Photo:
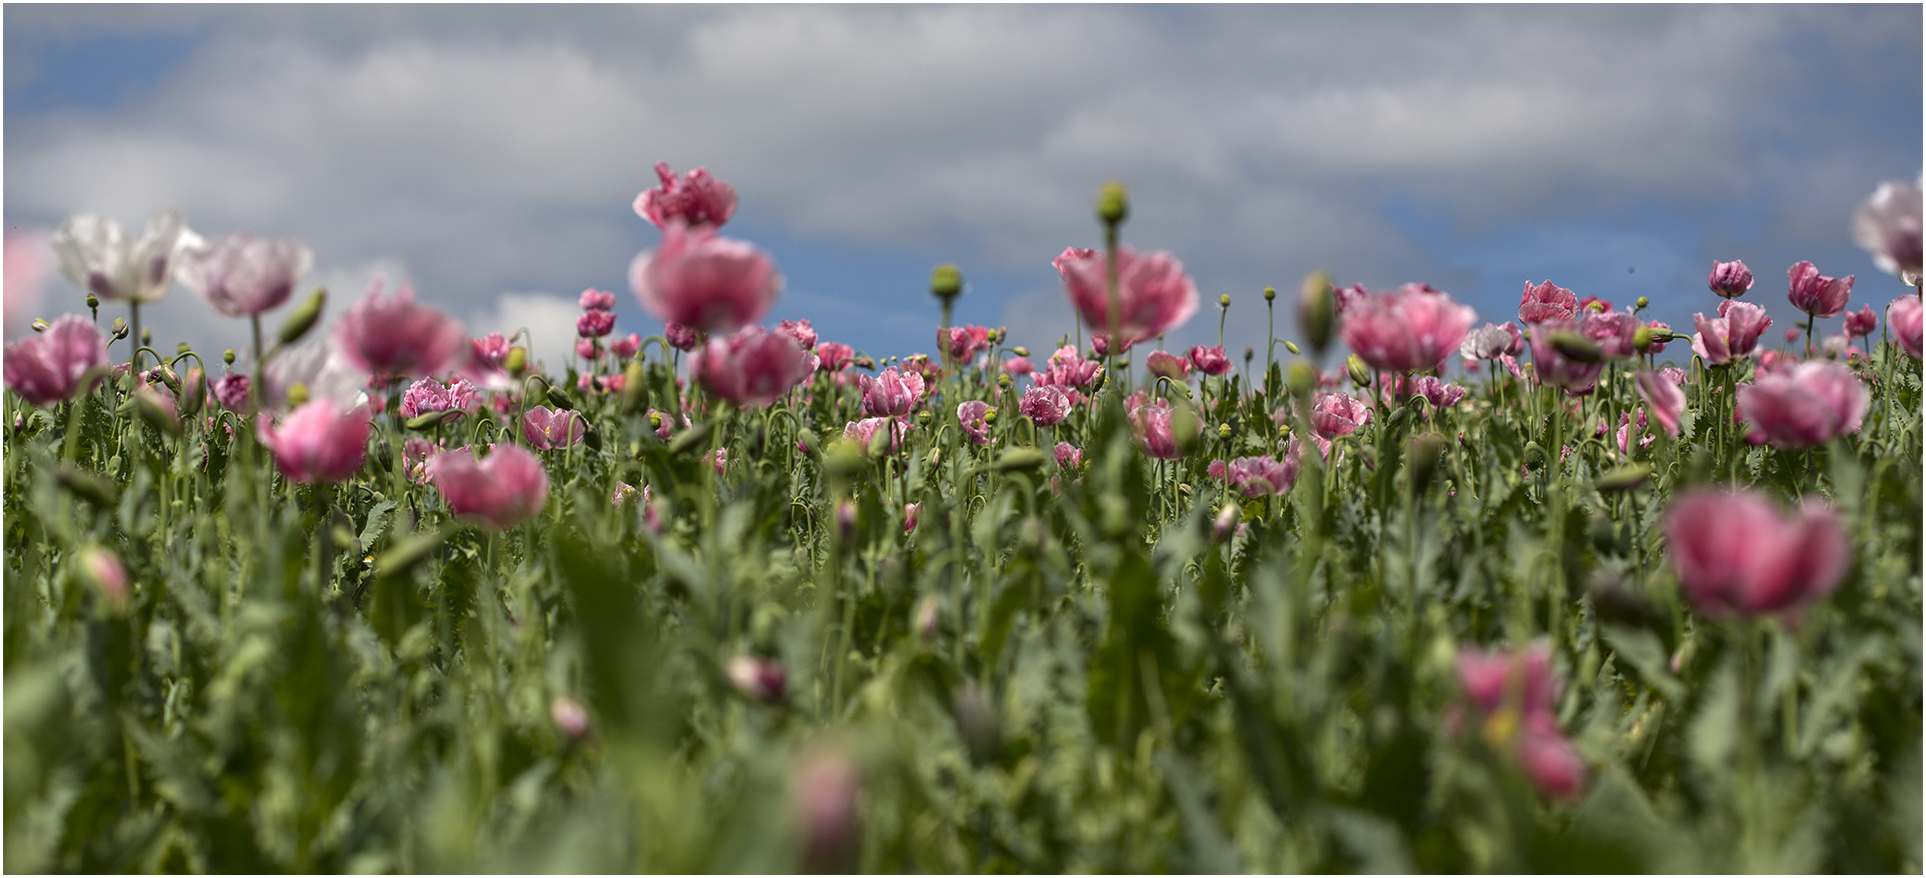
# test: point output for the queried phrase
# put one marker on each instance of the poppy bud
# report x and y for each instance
(1113, 203)
(1317, 310)
(303, 317)
(946, 282)
(1360, 373)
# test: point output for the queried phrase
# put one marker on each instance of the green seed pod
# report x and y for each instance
(1317, 310)
(1113, 203)
(1577, 347)
(923, 418)
(1223, 301)
(1024, 459)
(1642, 339)
(517, 361)
(303, 317)
(946, 282)
(93, 301)
(1005, 382)
(1300, 378)
(1223, 431)
(429, 420)
(227, 356)
(635, 388)
(558, 398)
(1623, 478)
(1270, 294)
(1360, 373)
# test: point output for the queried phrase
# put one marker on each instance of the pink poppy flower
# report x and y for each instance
(1345, 297)
(1437, 392)
(1545, 302)
(240, 275)
(1069, 370)
(1256, 476)
(864, 432)
(695, 199)
(1808, 405)
(626, 347)
(1409, 329)
(1888, 226)
(1552, 763)
(319, 442)
(502, 490)
(910, 511)
(1211, 361)
(1068, 456)
(553, 429)
(1046, 404)
(964, 341)
(588, 349)
(48, 368)
(1150, 424)
(1662, 393)
(1730, 336)
(595, 324)
(1153, 293)
(1017, 367)
(1554, 367)
(682, 338)
(1729, 279)
(751, 368)
(597, 300)
(972, 415)
(1735, 554)
(1903, 318)
(705, 281)
(230, 391)
(1862, 322)
(758, 679)
(1815, 293)
(891, 394)
(1167, 365)
(391, 336)
(834, 356)
(1488, 342)
(428, 395)
(801, 331)
(485, 365)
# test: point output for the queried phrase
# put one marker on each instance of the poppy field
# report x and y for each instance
(1414, 590)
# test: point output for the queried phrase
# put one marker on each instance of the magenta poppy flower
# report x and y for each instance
(964, 341)
(1068, 456)
(910, 515)
(1808, 405)
(1150, 424)
(485, 365)
(391, 336)
(1046, 404)
(1888, 226)
(1552, 763)
(1489, 342)
(502, 490)
(1211, 361)
(751, 368)
(758, 679)
(704, 281)
(1410, 329)
(973, 416)
(1068, 370)
(1903, 318)
(1167, 365)
(801, 331)
(597, 300)
(682, 338)
(1729, 279)
(891, 394)
(1337, 414)
(553, 429)
(1545, 302)
(1815, 293)
(1521, 680)
(318, 443)
(1735, 554)
(1862, 322)
(595, 324)
(1554, 368)
(240, 275)
(626, 347)
(1256, 476)
(230, 391)
(1153, 293)
(1730, 336)
(1663, 394)
(694, 199)
(1439, 393)
(834, 356)
(48, 368)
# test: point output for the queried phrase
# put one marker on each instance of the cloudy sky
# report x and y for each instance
(489, 154)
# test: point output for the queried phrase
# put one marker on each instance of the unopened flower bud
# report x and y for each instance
(516, 361)
(1005, 382)
(146, 336)
(1642, 339)
(1576, 346)
(1300, 378)
(1225, 523)
(102, 571)
(227, 356)
(1223, 301)
(1292, 347)
(1360, 373)
(303, 317)
(1113, 203)
(120, 328)
(946, 282)
(758, 679)
(157, 411)
(635, 388)
(846, 519)
(1317, 310)
(570, 718)
(93, 301)
(1270, 294)
(1642, 303)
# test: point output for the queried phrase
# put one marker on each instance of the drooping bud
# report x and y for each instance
(1317, 310)
(946, 282)
(157, 412)
(1577, 347)
(1113, 203)
(193, 394)
(1642, 339)
(1623, 478)
(303, 317)
(120, 328)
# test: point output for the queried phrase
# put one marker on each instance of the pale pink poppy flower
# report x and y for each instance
(719, 459)
(1808, 405)
(1628, 427)
(972, 415)
(682, 338)
(758, 679)
(1017, 367)
(705, 281)
(597, 300)
(230, 391)
(863, 433)
(1150, 424)
(415, 454)
(104, 571)
(27, 260)
(1069, 370)
(910, 511)
(1410, 329)
(1662, 393)
(502, 490)
(1489, 341)
(1211, 361)
(588, 349)
(1729, 279)
(1100, 345)
(1167, 365)
(392, 336)
(1903, 318)
(240, 275)
(95, 254)
(626, 347)
(1545, 302)
(891, 394)
(1344, 297)
(1046, 404)
(694, 199)
(318, 442)
(1337, 414)
(1521, 680)
(1614, 331)
(1256, 476)
(1068, 456)
(1862, 322)
(751, 368)
(48, 368)
(834, 356)
(1153, 293)
(1735, 553)
(1888, 226)
(595, 324)
(1730, 336)
(964, 341)
(1815, 293)
(801, 331)
(553, 429)
(623, 494)
(428, 395)
(485, 364)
